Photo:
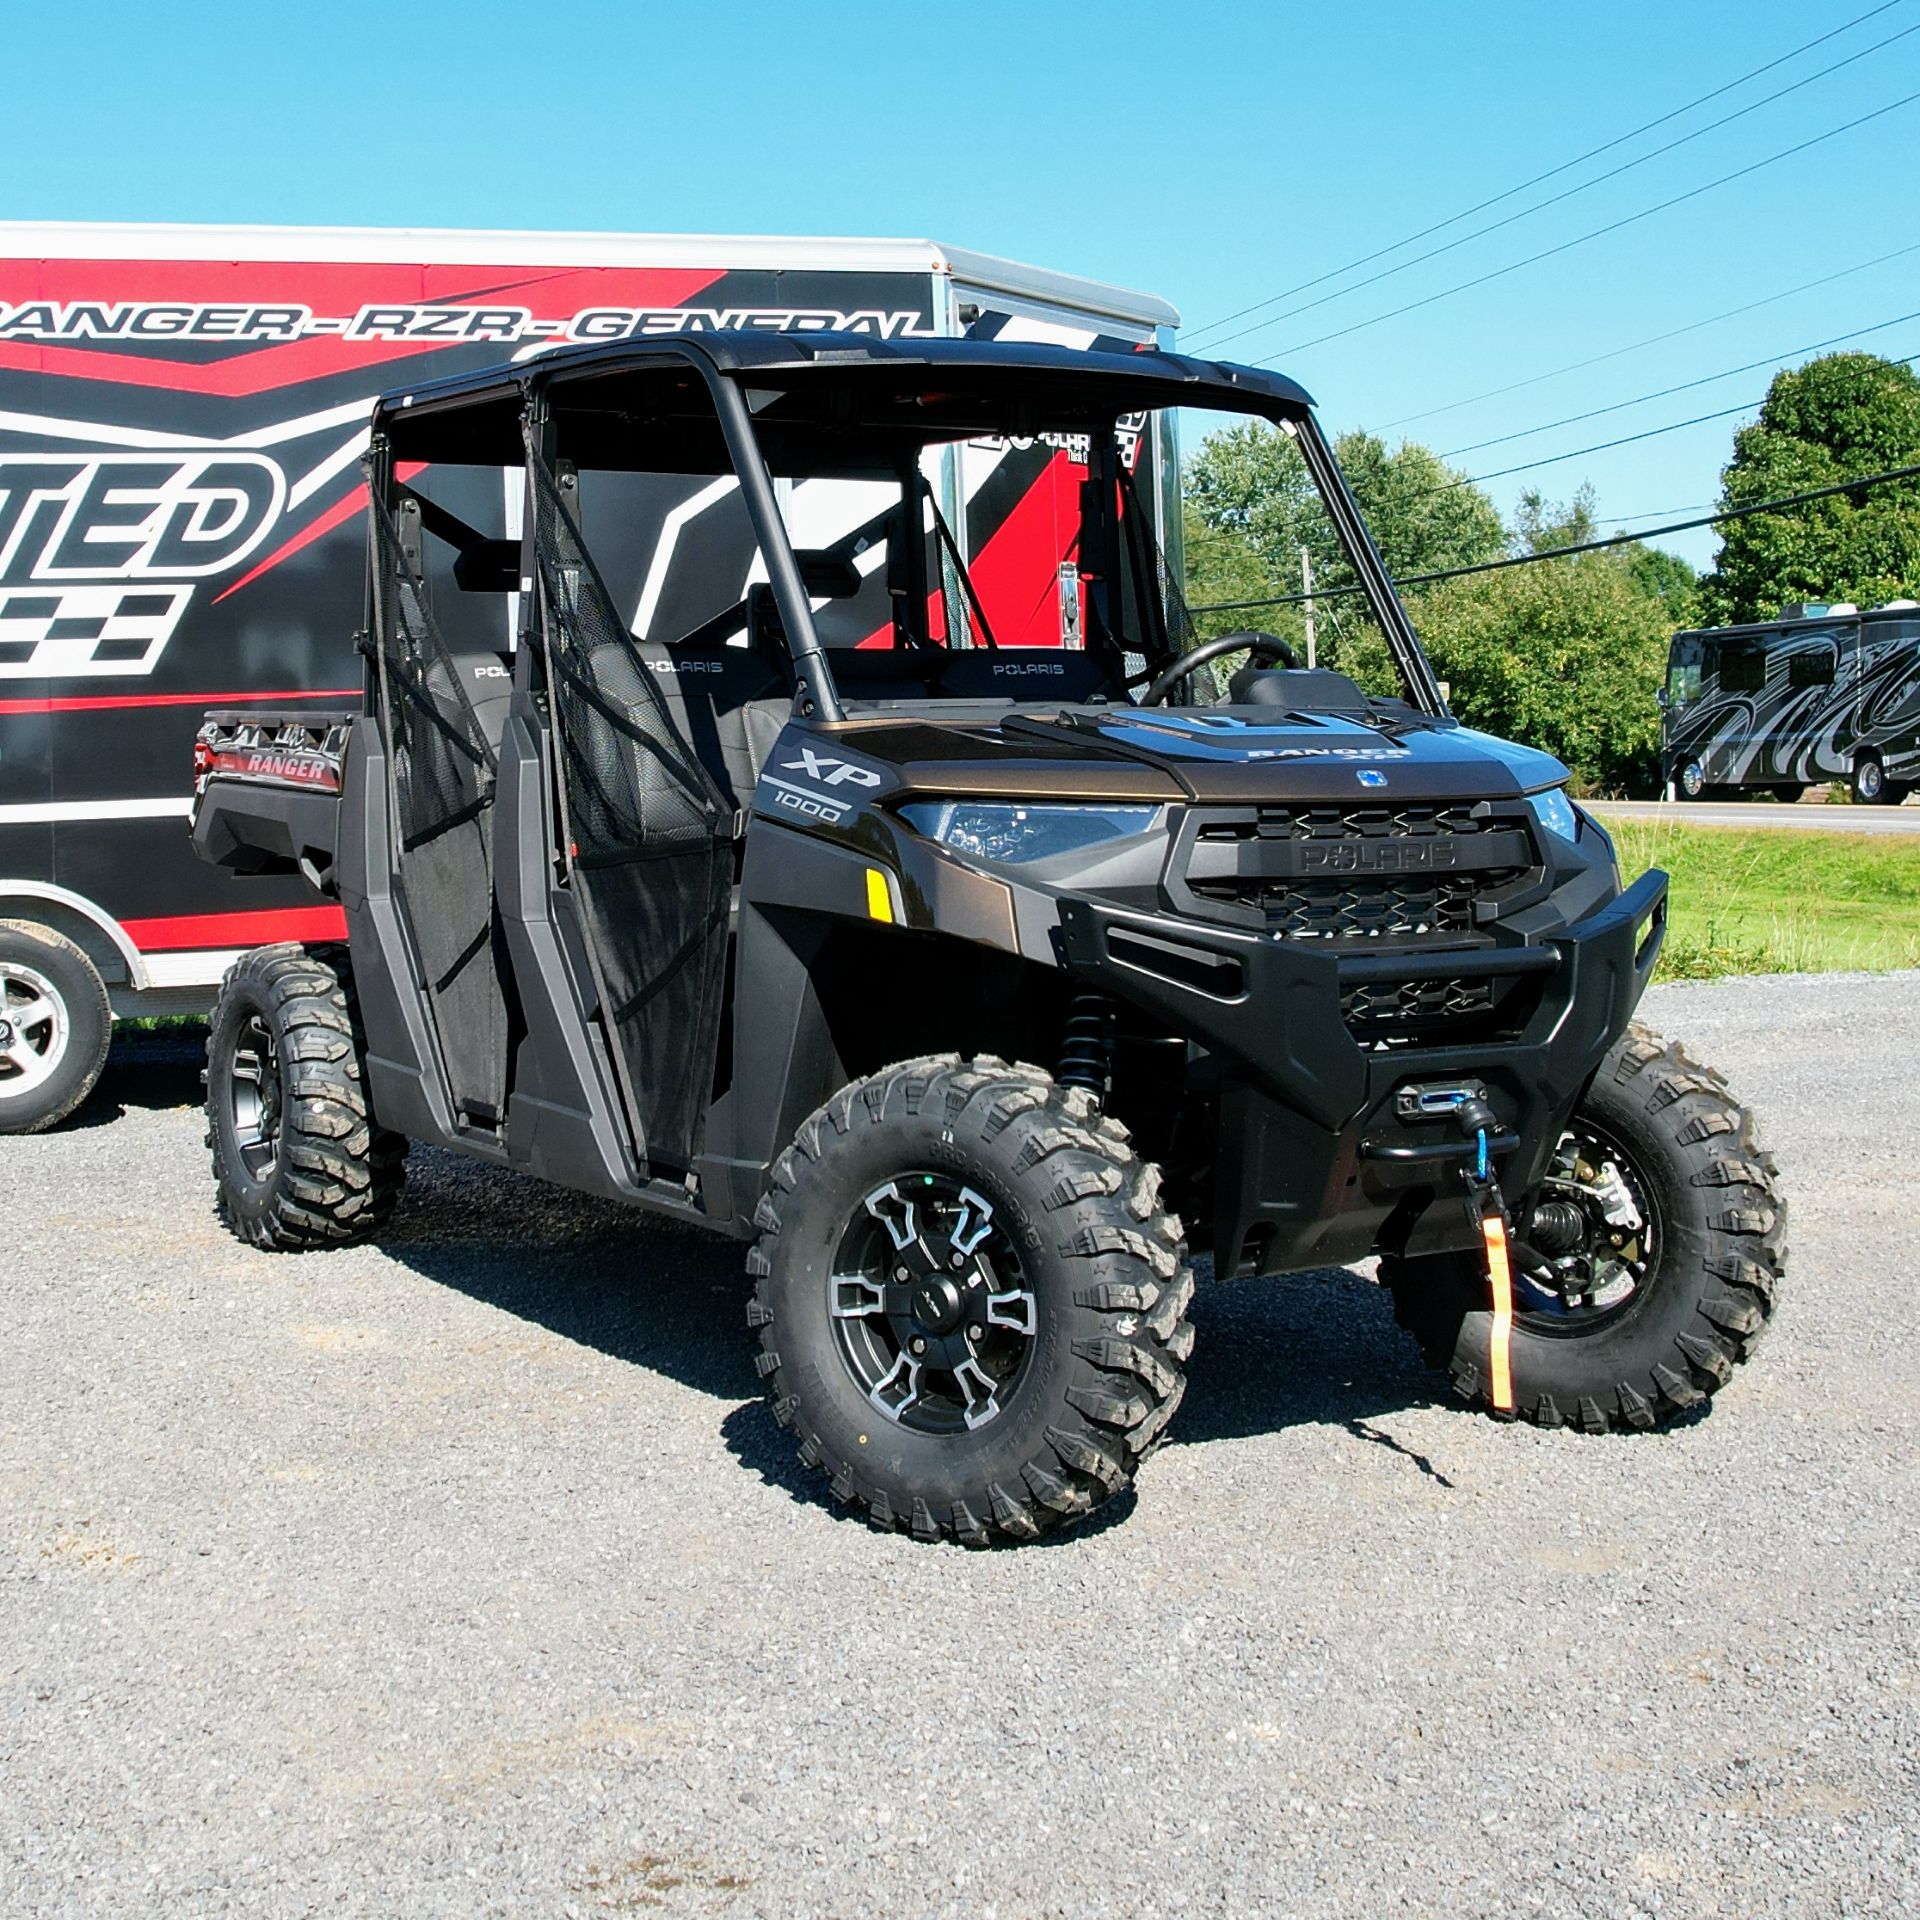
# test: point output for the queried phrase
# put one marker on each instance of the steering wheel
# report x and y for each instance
(1265, 649)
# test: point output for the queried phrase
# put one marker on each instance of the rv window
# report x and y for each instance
(1683, 683)
(1742, 670)
(1811, 667)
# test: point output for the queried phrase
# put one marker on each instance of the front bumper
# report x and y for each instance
(1315, 1165)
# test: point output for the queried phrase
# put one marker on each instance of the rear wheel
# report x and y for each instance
(1871, 787)
(297, 1158)
(55, 1027)
(1660, 1233)
(971, 1305)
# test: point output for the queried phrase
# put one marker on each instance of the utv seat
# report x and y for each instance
(486, 678)
(727, 704)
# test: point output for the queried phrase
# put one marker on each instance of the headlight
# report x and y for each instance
(988, 830)
(1556, 813)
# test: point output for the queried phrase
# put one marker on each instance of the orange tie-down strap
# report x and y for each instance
(1500, 1361)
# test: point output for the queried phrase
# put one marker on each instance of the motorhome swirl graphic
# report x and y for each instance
(1823, 693)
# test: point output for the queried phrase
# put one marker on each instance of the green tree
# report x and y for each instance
(1564, 655)
(1835, 418)
(1222, 564)
(1248, 491)
(1669, 579)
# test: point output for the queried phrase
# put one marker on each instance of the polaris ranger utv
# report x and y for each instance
(755, 911)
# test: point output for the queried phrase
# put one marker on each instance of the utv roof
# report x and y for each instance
(1149, 378)
(835, 398)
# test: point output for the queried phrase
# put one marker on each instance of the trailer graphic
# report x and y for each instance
(1823, 693)
(183, 418)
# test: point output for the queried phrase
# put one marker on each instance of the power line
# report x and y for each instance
(1540, 206)
(1654, 340)
(1599, 446)
(1583, 546)
(1539, 179)
(1612, 226)
(1662, 393)
(1621, 519)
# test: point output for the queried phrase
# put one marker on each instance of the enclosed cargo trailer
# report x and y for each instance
(183, 416)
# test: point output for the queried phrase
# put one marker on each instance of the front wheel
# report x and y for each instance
(1653, 1256)
(971, 1305)
(1690, 783)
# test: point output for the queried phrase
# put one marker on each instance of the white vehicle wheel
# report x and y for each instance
(54, 1026)
(34, 1029)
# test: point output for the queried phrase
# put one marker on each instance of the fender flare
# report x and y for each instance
(11, 890)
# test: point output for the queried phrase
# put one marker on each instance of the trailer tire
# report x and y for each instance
(1718, 1256)
(1057, 1259)
(298, 1160)
(55, 1027)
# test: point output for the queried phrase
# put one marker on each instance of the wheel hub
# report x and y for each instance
(34, 1029)
(938, 1304)
(1597, 1225)
(930, 1308)
(253, 1094)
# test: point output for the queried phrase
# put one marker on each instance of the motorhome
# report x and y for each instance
(1824, 693)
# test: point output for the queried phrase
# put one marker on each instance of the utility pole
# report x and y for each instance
(1306, 587)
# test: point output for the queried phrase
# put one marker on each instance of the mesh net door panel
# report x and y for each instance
(443, 784)
(652, 842)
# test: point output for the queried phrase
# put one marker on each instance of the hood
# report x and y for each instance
(1235, 755)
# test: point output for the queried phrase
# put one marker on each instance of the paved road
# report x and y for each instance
(1811, 817)
(468, 1576)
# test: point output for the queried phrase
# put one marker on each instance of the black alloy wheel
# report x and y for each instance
(971, 1305)
(298, 1159)
(253, 1097)
(931, 1310)
(1597, 1230)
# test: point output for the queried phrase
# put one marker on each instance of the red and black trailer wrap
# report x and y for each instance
(183, 417)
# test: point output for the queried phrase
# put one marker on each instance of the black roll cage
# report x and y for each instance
(478, 417)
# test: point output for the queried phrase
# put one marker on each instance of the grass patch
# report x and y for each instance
(1779, 901)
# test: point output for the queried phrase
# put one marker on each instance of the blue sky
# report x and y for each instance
(1215, 154)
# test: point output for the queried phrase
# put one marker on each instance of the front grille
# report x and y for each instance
(1356, 874)
(1400, 908)
(1372, 879)
(1399, 1004)
(1335, 822)
(1384, 1014)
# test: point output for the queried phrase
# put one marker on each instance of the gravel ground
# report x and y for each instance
(467, 1575)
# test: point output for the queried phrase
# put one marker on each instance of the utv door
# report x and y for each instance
(441, 775)
(646, 840)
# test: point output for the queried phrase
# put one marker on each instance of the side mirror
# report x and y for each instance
(1662, 699)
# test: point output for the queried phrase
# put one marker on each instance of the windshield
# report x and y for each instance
(1057, 546)
(981, 523)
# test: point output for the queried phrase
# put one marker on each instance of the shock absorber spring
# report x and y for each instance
(1086, 1046)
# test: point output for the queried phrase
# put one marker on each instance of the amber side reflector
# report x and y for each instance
(879, 897)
